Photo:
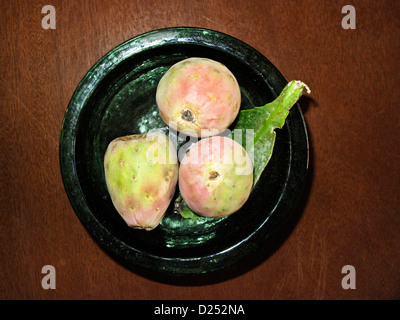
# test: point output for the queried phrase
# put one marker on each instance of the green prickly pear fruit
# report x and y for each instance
(141, 173)
(216, 177)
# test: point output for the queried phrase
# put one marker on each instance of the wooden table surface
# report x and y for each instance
(348, 213)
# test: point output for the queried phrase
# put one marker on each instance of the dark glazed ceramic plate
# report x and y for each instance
(117, 98)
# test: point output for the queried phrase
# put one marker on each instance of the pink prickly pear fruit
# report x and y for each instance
(141, 173)
(216, 177)
(198, 96)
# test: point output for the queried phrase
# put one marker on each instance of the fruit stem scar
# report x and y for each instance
(187, 115)
(213, 175)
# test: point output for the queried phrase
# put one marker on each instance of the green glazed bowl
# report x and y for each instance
(117, 98)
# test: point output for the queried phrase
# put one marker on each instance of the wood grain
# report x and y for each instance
(349, 214)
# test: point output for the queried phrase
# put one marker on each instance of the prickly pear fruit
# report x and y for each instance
(141, 173)
(198, 96)
(216, 177)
